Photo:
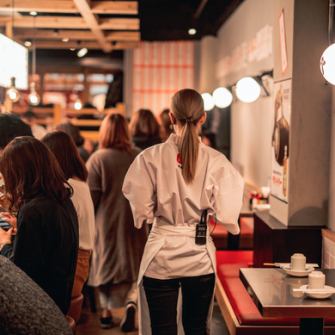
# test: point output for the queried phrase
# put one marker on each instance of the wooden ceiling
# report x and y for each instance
(65, 24)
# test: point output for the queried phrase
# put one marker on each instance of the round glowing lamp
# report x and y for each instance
(222, 97)
(248, 90)
(208, 101)
(327, 64)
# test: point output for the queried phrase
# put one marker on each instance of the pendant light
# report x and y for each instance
(12, 93)
(78, 105)
(34, 98)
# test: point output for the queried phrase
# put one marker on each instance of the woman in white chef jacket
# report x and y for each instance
(169, 185)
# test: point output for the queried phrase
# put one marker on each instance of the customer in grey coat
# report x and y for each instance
(24, 307)
(118, 246)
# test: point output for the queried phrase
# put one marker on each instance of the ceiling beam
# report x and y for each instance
(47, 34)
(115, 7)
(92, 22)
(68, 45)
(83, 35)
(133, 36)
(86, 44)
(120, 24)
(66, 6)
(48, 22)
(66, 22)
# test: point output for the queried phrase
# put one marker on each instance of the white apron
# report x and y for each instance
(159, 233)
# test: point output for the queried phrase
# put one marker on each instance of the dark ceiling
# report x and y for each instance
(163, 20)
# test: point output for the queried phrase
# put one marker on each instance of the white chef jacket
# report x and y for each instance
(158, 194)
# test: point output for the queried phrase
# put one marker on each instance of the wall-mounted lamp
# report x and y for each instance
(248, 90)
(208, 101)
(327, 60)
(222, 97)
(327, 64)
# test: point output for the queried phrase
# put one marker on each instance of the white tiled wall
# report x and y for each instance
(328, 253)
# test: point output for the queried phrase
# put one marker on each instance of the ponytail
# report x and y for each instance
(189, 148)
(188, 107)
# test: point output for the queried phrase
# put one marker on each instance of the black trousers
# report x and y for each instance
(162, 297)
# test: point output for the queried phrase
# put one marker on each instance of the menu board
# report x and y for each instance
(13, 63)
(281, 140)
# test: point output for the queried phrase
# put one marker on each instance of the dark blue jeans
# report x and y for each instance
(162, 297)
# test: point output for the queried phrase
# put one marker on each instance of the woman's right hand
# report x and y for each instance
(11, 219)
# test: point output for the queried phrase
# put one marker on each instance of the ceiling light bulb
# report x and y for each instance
(65, 39)
(192, 31)
(248, 90)
(12, 93)
(27, 44)
(33, 97)
(208, 101)
(82, 52)
(327, 64)
(33, 13)
(222, 97)
(78, 104)
(72, 49)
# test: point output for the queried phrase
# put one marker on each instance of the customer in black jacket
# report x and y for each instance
(46, 242)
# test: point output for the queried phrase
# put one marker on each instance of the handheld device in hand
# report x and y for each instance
(201, 229)
(4, 224)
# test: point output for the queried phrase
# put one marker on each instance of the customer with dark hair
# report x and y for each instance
(24, 307)
(166, 128)
(10, 127)
(74, 169)
(144, 129)
(118, 246)
(46, 242)
(172, 186)
(74, 132)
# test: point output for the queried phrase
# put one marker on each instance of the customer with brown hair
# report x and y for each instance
(144, 129)
(75, 172)
(118, 245)
(46, 242)
(166, 128)
(172, 186)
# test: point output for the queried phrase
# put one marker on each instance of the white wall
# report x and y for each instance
(251, 123)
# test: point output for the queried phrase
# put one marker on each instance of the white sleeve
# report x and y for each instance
(138, 188)
(228, 195)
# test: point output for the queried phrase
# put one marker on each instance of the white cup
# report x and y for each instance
(316, 280)
(298, 262)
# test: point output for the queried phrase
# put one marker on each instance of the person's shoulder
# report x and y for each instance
(153, 152)
(78, 186)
